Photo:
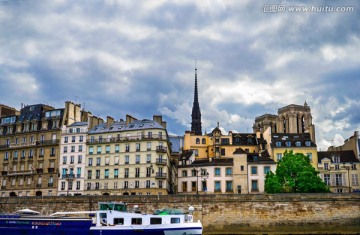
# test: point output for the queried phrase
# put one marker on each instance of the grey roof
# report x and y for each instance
(121, 126)
(78, 124)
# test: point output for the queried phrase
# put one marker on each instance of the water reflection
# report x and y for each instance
(330, 229)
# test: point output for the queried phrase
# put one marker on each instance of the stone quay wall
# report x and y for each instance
(221, 214)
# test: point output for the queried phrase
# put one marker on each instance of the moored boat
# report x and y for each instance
(112, 218)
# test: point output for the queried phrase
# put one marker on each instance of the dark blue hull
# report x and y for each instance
(23, 226)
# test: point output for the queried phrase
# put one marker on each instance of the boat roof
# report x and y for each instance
(28, 212)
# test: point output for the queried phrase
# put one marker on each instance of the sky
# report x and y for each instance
(138, 58)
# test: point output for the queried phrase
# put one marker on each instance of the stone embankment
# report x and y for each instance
(226, 214)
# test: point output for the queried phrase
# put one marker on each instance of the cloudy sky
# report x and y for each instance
(137, 57)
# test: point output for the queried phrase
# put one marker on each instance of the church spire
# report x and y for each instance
(196, 114)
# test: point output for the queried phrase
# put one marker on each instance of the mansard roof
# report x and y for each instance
(260, 159)
(244, 139)
(122, 126)
(213, 162)
(345, 156)
(185, 155)
(291, 138)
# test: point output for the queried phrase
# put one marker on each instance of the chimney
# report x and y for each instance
(129, 119)
(109, 121)
(158, 119)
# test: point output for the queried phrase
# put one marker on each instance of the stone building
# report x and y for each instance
(130, 157)
(30, 147)
(352, 143)
(340, 170)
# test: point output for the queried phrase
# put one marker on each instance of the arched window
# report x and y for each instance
(203, 141)
(197, 141)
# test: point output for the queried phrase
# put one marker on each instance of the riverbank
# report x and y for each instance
(227, 214)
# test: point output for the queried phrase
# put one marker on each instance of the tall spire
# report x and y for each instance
(196, 114)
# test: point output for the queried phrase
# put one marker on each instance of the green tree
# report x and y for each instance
(294, 174)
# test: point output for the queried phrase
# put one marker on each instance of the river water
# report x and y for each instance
(331, 229)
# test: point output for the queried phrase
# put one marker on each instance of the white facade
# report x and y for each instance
(72, 159)
(256, 176)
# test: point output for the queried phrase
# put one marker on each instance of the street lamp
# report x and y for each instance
(348, 170)
(204, 177)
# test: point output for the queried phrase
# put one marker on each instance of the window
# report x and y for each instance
(65, 149)
(229, 186)
(137, 147)
(222, 151)
(98, 149)
(91, 150)
(266, 170)
(254, 170)
(217, 186)
(90, 162)
(148, 146)
(309, 156)
(119, 221)
(279, 156)
(72, 159)
(148, 158)
(81, 138)
(354, 180)
(326, 166)
(308, 143)
(126, 159)
(107, 149)
(278, 144)
(193, 186)
(338, 179)
(77, 185)
(64, 159)
(137, 159)
(327, 179)
(89, 174)
(117, 148)
(184, 173)
(97, 174)
(137, 184)
(217, 172)
(184, 186)
(72, 149)
(127, 148)
(116, 173)
(175, 220)
(197, 141)
(155, 221)
(147, 185)
(242, 168)
(98, 161)
(80, 148)
(298, 143)
(228, 171)
(137, 172)
(288, 143)
(337, 167)
(116, 160)
(136, 221)
(106, 173)
(254, 186)
(66, 139)
(126, 173)
(73, 138)
(203, 141)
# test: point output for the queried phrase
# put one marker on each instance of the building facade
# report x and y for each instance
(129, 157)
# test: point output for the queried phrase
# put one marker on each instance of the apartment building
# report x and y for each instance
(130, 157)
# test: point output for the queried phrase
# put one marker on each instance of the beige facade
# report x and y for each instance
(129, 157)
(340, 170)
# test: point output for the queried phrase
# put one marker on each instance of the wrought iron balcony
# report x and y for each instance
(161, 161)
(161, 149)
(160, 175)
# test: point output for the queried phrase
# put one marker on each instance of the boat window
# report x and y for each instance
(136, 221)
(175, 220)
(119, 221)
(103, 218)
(155, 220)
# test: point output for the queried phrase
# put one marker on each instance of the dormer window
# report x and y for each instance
(308, 143)
(278, 144)
(288, 143)
(298, 143)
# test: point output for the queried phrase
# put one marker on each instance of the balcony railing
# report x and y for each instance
(39, 170)
(126, 138)
(160, 175)
(50, 184)
(51, 170)
(161, 161)
(68, 176)
(254, 189)
(4, 172)
(27, 172)
(38, 185)
(3, 187)
(161, 149)
(21, 145)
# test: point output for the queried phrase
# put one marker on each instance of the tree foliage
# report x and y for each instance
(294, 174)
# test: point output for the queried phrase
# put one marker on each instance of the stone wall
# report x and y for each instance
(223, 213)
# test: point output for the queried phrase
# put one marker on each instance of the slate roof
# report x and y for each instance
(213, 162)
(292, 137)
(256, 159)
(345, 156)
(78, 124)
(185, 155)
(240, 151)
(244, 139)
(121, 126)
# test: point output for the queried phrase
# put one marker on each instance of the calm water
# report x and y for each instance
(287, 230)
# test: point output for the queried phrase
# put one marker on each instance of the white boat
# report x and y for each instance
(113, 218)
